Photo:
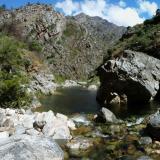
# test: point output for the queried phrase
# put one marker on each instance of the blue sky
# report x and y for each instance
(120, 12)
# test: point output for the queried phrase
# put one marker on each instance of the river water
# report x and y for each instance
(74, 100)
(70, 101)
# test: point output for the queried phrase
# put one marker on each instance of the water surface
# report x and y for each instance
(81, 100)
(70, 101)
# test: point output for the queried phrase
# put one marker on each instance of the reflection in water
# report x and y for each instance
(135, 109)
(81, 100)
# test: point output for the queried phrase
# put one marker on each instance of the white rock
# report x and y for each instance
(19, 130)
(42, 118)
(70, 83)
(48, 129)
(10, 112)
(4, 135)
(71, 124)
(109, 116)
(62, 117)
(32, 132)
(28, 121)
(81, 119)
(58, 129)
(49, 116)
(92, 87)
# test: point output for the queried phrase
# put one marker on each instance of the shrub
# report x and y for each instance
(35, 46)
(13, 91)
(13, 81)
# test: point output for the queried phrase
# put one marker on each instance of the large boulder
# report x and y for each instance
(133, 74)
(24, 147)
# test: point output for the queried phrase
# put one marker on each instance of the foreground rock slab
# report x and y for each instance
(25, 147)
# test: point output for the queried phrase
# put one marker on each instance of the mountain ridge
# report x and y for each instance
(67, 45)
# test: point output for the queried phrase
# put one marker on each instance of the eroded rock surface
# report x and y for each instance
(133, 74)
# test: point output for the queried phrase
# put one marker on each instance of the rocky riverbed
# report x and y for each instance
(78, 136)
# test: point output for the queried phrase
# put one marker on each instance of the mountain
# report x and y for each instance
(71, 47)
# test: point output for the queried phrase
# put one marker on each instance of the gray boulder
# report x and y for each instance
(153, 127)
(109, 116)
(133, 74)
(25, 147)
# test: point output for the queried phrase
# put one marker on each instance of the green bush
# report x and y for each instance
(35, 46)
(13, 91)
(10, 54)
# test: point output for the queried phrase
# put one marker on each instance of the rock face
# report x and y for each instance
(43, 82)
(133, 74)
(24, 147)
(72, 47)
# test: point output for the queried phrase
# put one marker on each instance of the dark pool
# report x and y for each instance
(70, 100)
(81, 100)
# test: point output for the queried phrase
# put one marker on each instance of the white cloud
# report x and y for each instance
(93, 7)
(123, 16)
(120, 13)
(122, 3)
(147, 7)
(68, 6)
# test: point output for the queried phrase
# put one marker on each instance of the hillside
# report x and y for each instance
(143, 38)
(71, 46)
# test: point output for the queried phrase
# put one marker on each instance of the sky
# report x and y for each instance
(120, 12)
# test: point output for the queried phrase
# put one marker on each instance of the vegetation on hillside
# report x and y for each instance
(13, 78)
(143, 37)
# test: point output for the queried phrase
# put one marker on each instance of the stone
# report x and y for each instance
(62, 117)
(28, 121)
(79, 145)
(80, 119)
(133, 74)
(4, 135)
(92, 87)
(58, 129)
(25, 147)
(19, 129)
(109, 116)
(71, 124)
(10, 112)
(145, 140)
(42, 118)
(116, 100)
(2, 118)
(70, 83)
(153, 126)
(8, 123)
(144, 158)
(32, 132)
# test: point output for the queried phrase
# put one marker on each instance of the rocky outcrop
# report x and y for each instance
(24, 147)
(42, 82)
(72, 47)
(17, 122)
(133, 74)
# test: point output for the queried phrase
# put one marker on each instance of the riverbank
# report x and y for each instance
(81, 135)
